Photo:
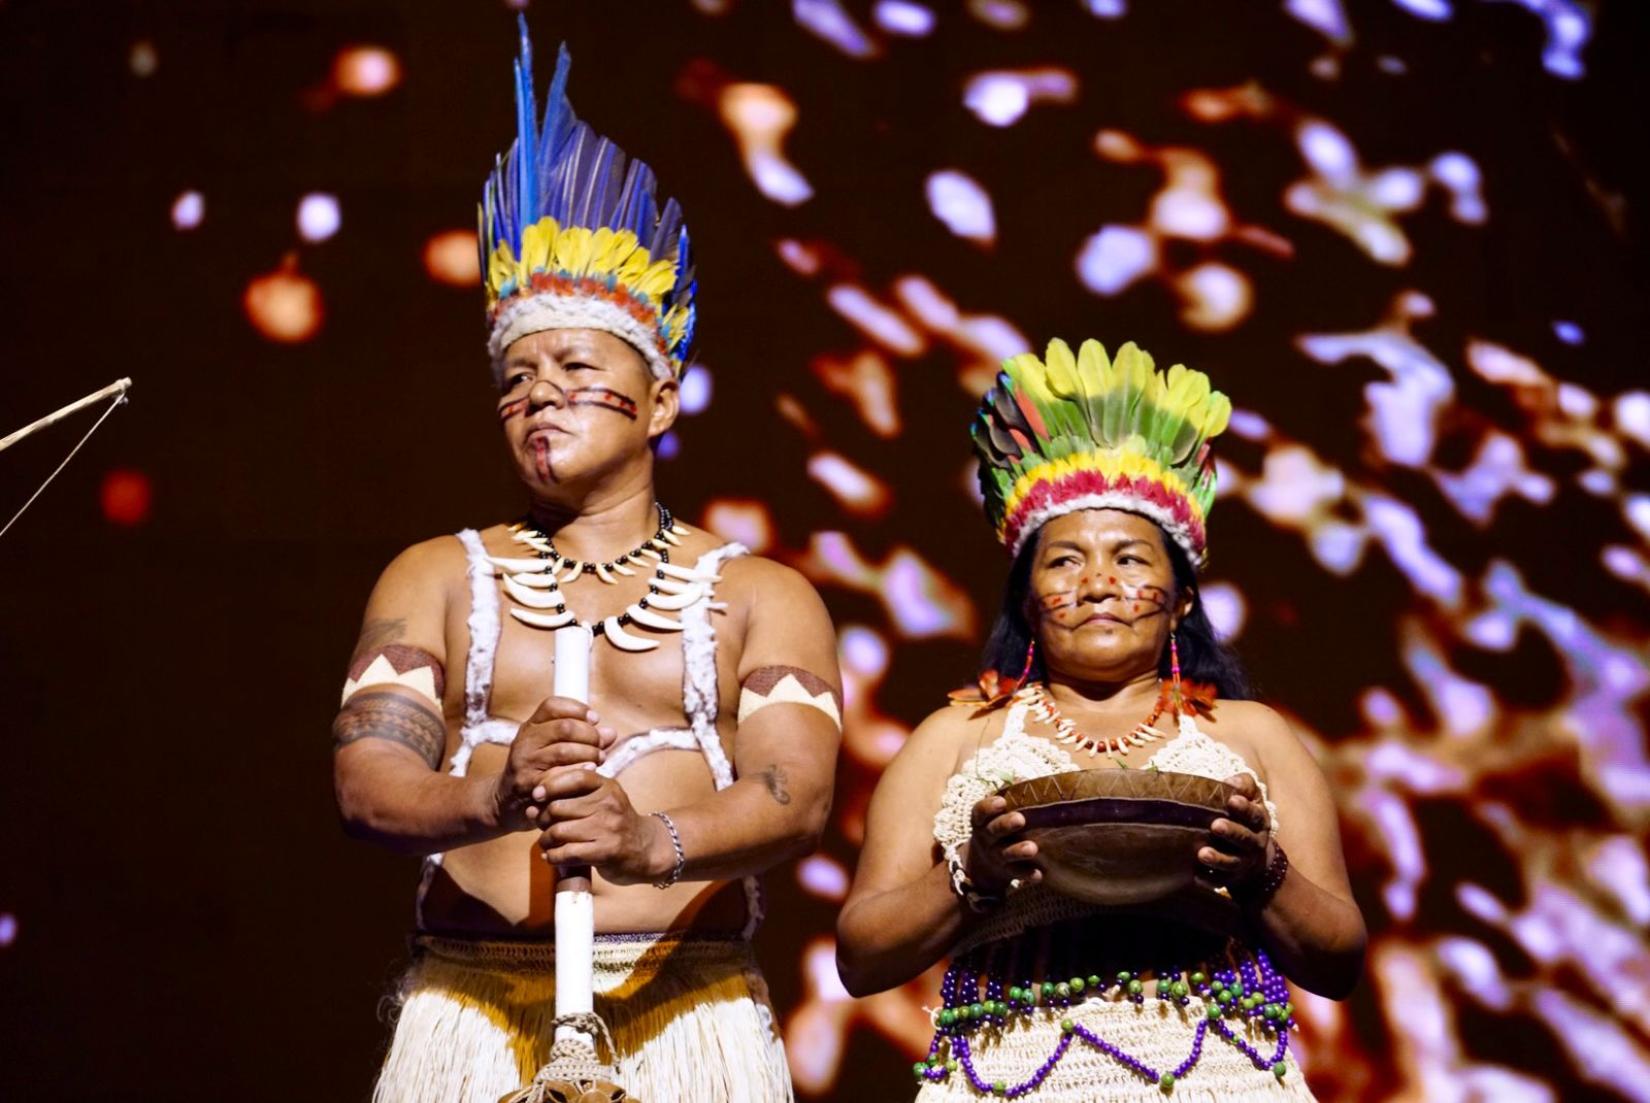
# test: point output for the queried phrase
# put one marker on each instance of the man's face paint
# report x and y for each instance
(511, 409)
(1143, 600)
(605, 397)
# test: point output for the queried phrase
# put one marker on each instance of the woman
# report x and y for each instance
(1097, 477)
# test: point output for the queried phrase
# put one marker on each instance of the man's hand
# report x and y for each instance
(588, 820)
(562, 732)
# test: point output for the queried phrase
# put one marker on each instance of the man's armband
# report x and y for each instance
(397, 664)
(788, 685)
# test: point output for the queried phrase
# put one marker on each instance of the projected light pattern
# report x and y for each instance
(1433, 535)
(1454, 442)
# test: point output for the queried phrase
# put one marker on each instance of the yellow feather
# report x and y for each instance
(537, 244)
(1062, 370)
(659, 278)
(1092, 362)
(501, 268)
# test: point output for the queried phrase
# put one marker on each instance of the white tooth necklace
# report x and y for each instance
(536, 584)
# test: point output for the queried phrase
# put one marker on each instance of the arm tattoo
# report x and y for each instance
(774, 778)
(376, 633)
(788, 685)
(378, 714)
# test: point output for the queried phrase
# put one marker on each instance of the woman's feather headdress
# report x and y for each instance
(571, 237)
(1085, 432)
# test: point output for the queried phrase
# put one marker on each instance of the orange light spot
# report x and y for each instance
(284, 305)
(450, 257)
(365, 71)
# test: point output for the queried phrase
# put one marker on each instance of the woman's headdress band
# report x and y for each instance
(571, 237)
(1086, 432)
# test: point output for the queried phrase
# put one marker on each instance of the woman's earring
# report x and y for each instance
(1174, 672)
(1025, 672)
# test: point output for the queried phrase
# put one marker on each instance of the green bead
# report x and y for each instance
(1067, 1026)
(951, 1065)
(1280, 1070)
(1271, 1010)
(1123, 977)
(1212, 1010)
(1180, 988)
(1237, 988)
(1048, 989)
(948, 1017)
(1199, 978)
(1135, 988)
(975, 1010)
(1063, 990)
(1224, 996)
(1288, 1010)
(1015, 995)
(1094, 982)
(999, 1087)
(1076, 984)
(1166, 1082)
(918, 1069)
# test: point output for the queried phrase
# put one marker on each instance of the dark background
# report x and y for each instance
(191, 924)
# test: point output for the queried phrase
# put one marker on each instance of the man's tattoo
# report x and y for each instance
(397, 664)
(380, 714)
(788, 685)
(774, 778)
(376, 633)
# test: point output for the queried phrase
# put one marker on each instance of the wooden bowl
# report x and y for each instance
(1122, 838)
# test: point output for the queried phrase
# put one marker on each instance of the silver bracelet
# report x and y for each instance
(960, 884)
(681, 856)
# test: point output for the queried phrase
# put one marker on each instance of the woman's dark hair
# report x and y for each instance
(1203, 658)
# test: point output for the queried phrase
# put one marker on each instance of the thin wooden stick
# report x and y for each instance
(119, 386)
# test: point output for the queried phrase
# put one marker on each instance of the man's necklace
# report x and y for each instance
(536, 584)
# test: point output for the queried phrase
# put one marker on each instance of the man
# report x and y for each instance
(705, 754)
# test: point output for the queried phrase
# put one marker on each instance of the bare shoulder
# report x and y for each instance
(757, 574)
(428, 563)
(1252, 726)
(951, 734)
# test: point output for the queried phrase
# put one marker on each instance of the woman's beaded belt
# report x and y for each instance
(1251, 990)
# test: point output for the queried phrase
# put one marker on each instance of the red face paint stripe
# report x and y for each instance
(604, 397)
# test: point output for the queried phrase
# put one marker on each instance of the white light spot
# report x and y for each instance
(1435, 11)
(1114, 258)
(1219, 296)
(695, 390)
(828, 20)
(998, 99)
(8, 928)
(903, 18)
(1226, 608)
(965, 208)
(1323, 16)
(188, 209)
(1249, 425)
(876, 320)
(1327, 151)
(318, 216)
(823, 878)
(1107, 9)
(1569, 332)
(1005, 15)
(1632, 412)
(1189, 212)
(670, 446)
(1637, 511)
(864, 651)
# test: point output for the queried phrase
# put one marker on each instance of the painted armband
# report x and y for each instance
(787, 685)
(398, 665)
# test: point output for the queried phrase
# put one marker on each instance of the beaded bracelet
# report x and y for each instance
(681, 855)
(975, 899)
(1276, 870)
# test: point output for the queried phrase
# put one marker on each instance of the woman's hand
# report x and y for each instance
(1239, 842)
(995, 860)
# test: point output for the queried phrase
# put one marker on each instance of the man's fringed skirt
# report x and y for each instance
(690, 1016)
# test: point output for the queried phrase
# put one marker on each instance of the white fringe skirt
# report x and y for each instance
(690, 1016)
